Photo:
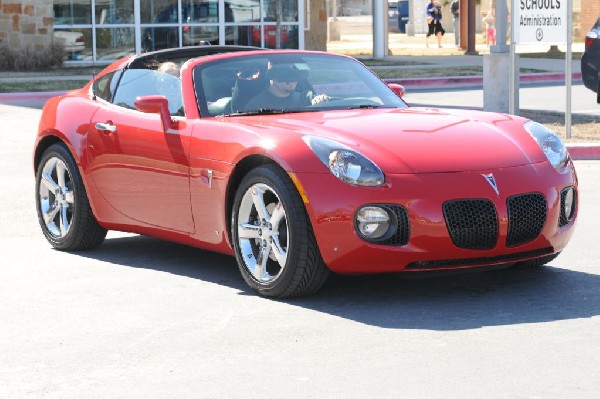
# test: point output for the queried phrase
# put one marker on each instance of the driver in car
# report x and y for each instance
(281, 92)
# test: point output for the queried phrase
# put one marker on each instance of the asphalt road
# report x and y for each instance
(142, 318)
(533, 97)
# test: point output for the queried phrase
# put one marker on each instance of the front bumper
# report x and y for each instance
(430, 245)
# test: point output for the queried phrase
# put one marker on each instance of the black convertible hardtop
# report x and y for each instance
(181, 54)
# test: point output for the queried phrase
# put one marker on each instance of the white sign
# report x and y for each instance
(540, 21)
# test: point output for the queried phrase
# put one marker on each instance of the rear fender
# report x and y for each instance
(65, 119)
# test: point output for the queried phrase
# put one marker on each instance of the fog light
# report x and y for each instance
(569, 205)
(372, 222)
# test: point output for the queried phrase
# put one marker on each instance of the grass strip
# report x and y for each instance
(42, 85)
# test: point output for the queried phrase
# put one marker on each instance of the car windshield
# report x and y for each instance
(286, 83)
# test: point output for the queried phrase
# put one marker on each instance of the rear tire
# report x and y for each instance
(62, 205)
(274, 244)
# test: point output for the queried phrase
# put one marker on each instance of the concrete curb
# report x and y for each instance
(8, 98)
(583, 152)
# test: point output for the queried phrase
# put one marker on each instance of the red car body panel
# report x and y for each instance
(402, 144)
(423, 196)
(174, 184)
(141, 164)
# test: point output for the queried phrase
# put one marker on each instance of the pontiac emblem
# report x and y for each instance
(490, 179)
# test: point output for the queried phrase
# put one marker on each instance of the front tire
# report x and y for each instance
(274, 244)
(62, 205)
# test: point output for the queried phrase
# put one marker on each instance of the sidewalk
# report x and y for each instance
(400, 44)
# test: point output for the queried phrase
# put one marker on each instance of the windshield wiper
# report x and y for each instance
(271, 111)
(369, 106)
(262, 111)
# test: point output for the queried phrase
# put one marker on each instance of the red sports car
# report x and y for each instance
(298, 163)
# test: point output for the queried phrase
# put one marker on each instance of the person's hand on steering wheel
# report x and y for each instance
(321, 98)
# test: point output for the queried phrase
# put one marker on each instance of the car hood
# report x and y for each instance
(416, 140)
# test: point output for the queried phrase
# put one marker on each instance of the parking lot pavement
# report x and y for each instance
(140, 317)
(551, 97)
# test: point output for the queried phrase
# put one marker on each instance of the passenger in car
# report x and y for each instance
(169, 85)
(169, 67)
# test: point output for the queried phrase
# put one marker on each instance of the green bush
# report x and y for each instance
(27, 59)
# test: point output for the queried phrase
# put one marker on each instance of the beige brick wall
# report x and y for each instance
(590, 12)
(26, 23)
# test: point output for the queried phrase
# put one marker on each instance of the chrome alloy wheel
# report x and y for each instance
(263, 233)
(56, 197)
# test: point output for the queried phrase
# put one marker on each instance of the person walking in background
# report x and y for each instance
(455, 9)
(434, 22)
(490, 27)
(430, 27)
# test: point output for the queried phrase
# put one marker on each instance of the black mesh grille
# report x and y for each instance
(434, 264)
(472, 224)
(564, 218)
(402, 234)
(526, 218)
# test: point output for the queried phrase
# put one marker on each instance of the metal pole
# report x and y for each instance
(512, 109)
(568, 69)
(471, 28)
(501, 22)
(379, 31)
(278, 12)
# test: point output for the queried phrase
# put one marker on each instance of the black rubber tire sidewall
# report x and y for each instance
(84, 233)
(297, 223)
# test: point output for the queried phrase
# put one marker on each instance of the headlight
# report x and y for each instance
(549, 142)
(344, 163)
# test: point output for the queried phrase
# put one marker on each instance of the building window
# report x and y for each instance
(114, 42)
(106, 30)
(72, 12)
(115, 29)
(288, 10)
(114, 12)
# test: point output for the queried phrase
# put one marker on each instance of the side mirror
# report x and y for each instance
(398, 89)
(155, 105)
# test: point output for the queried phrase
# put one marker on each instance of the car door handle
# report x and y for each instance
(106, 127)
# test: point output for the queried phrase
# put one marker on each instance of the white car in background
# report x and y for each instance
(72, 41)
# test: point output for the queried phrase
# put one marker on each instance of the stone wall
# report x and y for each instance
(26, 23)
(316, 37)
